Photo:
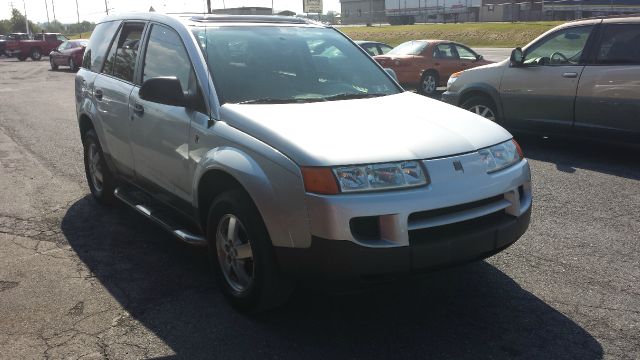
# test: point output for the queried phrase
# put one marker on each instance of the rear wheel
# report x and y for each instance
(36, 55)
(242, 254)
(483, 106)
(101, 181)
(428, 83)
(22, 57)
(53, 64)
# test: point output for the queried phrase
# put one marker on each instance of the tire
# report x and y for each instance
(246, 267)
(72, 65)
(428, 83)
(54, 67)
(22, 57)
(101, 180)
(36, 54)
(483, 106)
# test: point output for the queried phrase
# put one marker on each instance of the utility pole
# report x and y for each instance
(46, 7)
(26, 22)
(208, 6)
(78, 11)
(106, 7)
(53, 8)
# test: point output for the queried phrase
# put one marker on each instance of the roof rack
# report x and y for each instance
(273, 19)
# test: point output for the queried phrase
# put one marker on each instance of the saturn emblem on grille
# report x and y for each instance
(458, 166)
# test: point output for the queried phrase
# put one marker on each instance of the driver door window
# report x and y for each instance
(565, 47)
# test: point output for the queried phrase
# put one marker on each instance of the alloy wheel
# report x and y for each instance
(483, 111)
(429, 84)
(95, 167)
(234, 254)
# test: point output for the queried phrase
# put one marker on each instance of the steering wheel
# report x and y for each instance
(560, 56)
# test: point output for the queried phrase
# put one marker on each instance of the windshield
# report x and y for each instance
(280, 64)
(409, 48)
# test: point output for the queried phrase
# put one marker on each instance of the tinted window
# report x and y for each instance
(563, 47)
(121, 60)
(166, 56)
(465, 53)
(385, 49)
(444, 51)
(63, 46)
(98, 44)
(61, 37)
(620, 44)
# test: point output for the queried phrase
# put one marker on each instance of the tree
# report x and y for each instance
(55, 27)
(17, 23)
(5, 26)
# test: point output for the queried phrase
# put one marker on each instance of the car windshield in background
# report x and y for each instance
(287, 64)
(408, 48)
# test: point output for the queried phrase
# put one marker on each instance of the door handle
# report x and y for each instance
(98, 94)
(138, 109)
(570, 75)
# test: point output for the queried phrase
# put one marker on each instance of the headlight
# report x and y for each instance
(372, 177)
(453, 78)
(501, 156)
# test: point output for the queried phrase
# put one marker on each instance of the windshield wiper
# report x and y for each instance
(268, 100)
(346, 96)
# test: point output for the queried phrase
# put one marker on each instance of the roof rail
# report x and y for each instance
(621, 16)
(276, 19)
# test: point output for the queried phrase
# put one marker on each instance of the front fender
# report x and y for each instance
(486, 89)
(276, 191)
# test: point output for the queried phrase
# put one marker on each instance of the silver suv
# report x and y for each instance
(581, 79)
(291, 154)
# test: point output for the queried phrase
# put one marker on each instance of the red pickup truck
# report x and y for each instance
(42, 43)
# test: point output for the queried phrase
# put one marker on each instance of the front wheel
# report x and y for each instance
(36, 55)
(483, 106)
(428, 84)
(72, 65)
(242, 254)
(22, 57)
(53, 64)
(101, 181)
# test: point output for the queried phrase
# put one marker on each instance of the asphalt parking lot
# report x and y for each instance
(81, 281)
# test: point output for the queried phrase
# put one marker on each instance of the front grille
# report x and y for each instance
(429, 214)
(447, 232)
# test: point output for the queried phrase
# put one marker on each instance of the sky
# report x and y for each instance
(93, 10)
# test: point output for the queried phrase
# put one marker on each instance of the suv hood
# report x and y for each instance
(397, 127)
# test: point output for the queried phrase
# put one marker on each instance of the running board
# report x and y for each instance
(165, 222)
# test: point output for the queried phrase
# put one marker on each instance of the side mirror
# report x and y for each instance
(479, 57)
(517, 57)
(392, 73)
(163, 90)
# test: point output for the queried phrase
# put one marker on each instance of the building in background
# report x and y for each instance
(362, 12)
(571, 9)
(511, 10)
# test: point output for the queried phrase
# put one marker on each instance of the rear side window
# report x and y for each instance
(101, 37)
(444, 51)
(620, 44)
(121, 60)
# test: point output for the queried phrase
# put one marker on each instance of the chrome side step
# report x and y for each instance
(181, 233)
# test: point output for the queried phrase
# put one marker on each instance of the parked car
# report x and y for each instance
(5, 39)
(374, 48)
(427, 64)
(231, 132)
(580, 78)
(42, 43)
(69, 53)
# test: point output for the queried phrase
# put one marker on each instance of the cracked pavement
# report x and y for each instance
(80, 281)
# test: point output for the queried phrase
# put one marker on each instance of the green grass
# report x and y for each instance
(472, 34)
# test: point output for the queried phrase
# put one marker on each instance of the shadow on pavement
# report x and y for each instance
(571, 154)
(474, 312)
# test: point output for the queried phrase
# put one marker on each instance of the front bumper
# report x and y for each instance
(346, 261)
(451, 98)
(461, 216)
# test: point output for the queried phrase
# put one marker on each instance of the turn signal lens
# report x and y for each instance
(518, 148)
(319, 180)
